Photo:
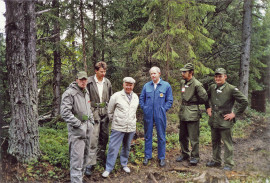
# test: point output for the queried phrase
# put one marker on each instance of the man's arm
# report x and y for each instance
(201, 94)
(207, 103)
(142, 97)
(169, 98)
(241, 99)
(66, 110)
(111, 107)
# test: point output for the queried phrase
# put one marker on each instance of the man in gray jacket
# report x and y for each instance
(76, 111)
(100, 91)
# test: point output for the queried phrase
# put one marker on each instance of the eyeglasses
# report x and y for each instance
(184, 72)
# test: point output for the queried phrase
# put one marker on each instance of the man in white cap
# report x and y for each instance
(122, 112)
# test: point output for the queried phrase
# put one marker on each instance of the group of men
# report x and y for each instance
(219, 102)
(89, 104)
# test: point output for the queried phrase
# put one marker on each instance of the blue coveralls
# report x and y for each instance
(155, 103)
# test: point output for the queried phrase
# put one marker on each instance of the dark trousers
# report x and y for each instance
(103, 138)
(189, 131)
(226, 136)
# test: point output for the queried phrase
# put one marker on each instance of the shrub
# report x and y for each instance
(54, 145)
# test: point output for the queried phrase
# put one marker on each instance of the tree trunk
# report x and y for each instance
(246, 41)
(102, 31)
(57, 63)
(267, 81)
(94, 56)
(21, 65)
(72, 24)
(168, 49)
(83, 39)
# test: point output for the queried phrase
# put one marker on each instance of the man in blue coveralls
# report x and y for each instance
(155, 100)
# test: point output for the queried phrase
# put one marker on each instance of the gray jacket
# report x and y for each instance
(122, 112)
(75, 106)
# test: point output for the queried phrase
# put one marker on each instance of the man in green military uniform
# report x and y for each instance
(192, 94)
(221, 111)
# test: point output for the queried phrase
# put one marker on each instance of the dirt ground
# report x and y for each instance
(251, 155)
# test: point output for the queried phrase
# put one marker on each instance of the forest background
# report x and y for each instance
(131, 36)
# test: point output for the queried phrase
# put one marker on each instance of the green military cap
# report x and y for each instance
(188, 67)
(220, 71)
(81, 75)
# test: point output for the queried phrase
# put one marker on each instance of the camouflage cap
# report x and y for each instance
(129, 80)
(220, 71)
(81, 75)
(188, 67)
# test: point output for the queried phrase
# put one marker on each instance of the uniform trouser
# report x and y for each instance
(161, 135)
(226, 136)
(99, 140)
(116, 139)
(79, 149)
(189, 131)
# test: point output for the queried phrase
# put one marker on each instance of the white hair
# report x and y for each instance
(155, 68)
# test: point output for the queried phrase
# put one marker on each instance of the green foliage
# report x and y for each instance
(205, 131)
(4, 95)
(54, 145)
(173, 33)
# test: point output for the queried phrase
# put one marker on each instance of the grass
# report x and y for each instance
(54, 144)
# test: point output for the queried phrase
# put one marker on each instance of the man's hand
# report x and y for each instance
(209, 112)
(229, 116)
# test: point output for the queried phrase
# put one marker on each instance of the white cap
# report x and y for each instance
(129, 80)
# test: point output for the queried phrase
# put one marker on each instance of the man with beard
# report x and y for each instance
(192, 94)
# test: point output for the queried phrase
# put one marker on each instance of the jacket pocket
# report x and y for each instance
(79, 132)
(190, 113)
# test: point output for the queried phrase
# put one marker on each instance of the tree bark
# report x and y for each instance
(57, 63)
(94, 56)
(83, 39)
(73, 60)
(246, 42)
(21, 65)
(168, 49)
(102, 31)
(267, 81)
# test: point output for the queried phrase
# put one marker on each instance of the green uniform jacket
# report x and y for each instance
(221, 100)
(192, 94)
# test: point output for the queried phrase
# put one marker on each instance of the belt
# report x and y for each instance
(189, 103)
(98, 105)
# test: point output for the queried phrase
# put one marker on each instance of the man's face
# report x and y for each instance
(186, 75)
(82, 83)
(128, 87)
(220, 79)
(100, 73)
(154, 75)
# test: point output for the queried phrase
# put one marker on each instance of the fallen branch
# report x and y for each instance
(43, 11)
(3, 141)
(152, 177)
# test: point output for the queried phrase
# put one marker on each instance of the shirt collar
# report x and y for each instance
(221, 87)
(129, 94)
(190, 81)
(96, 80)
(157, 82)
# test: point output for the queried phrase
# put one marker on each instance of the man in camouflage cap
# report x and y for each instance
(192, 94)
(221, 111)
(76, 111)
